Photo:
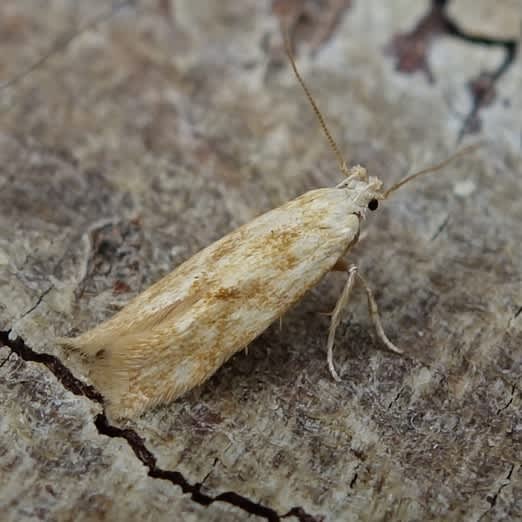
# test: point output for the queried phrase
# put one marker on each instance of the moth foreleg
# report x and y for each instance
(342, 302)
(336, 318)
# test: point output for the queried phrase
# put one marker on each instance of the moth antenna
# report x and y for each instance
(434, 168)
(64, 41)
(340, 159)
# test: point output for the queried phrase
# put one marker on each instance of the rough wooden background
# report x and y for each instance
(159, 129)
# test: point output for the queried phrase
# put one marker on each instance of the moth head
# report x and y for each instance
(366, 191)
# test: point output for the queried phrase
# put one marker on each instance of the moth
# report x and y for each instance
(177, 333)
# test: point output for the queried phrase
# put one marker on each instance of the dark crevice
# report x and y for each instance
(440, 228)
(518, 311)
(411, 52)
(492, 499)
(52, 363)
(175, 477)
(510, 400)
(214, 464)
(354, 479)
(6, 359)
(396, 398)
(136, 442)
(302, 516)
(38, 302)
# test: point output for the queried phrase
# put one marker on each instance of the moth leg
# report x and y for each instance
(374, 314)
(336, 318)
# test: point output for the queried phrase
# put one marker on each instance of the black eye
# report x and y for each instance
(373, 204)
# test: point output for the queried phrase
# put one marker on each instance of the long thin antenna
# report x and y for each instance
(63, 42)
(342, 163)
(434, 168)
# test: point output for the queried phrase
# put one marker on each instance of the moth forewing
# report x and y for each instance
(178, 332)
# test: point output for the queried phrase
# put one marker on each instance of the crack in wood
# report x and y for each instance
(37, 303)
(136, 442)
(411, 52)
(396, 398)
(513, 317)
(355, 476)
(492, 499)
(509, 401)
(440, 228)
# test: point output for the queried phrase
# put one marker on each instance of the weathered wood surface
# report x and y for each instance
(154, 133)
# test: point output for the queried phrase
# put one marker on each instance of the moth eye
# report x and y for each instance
(373, 204)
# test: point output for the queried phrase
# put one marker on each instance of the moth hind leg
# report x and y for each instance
(373, 310)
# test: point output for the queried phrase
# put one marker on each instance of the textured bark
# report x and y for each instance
(166, 125)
